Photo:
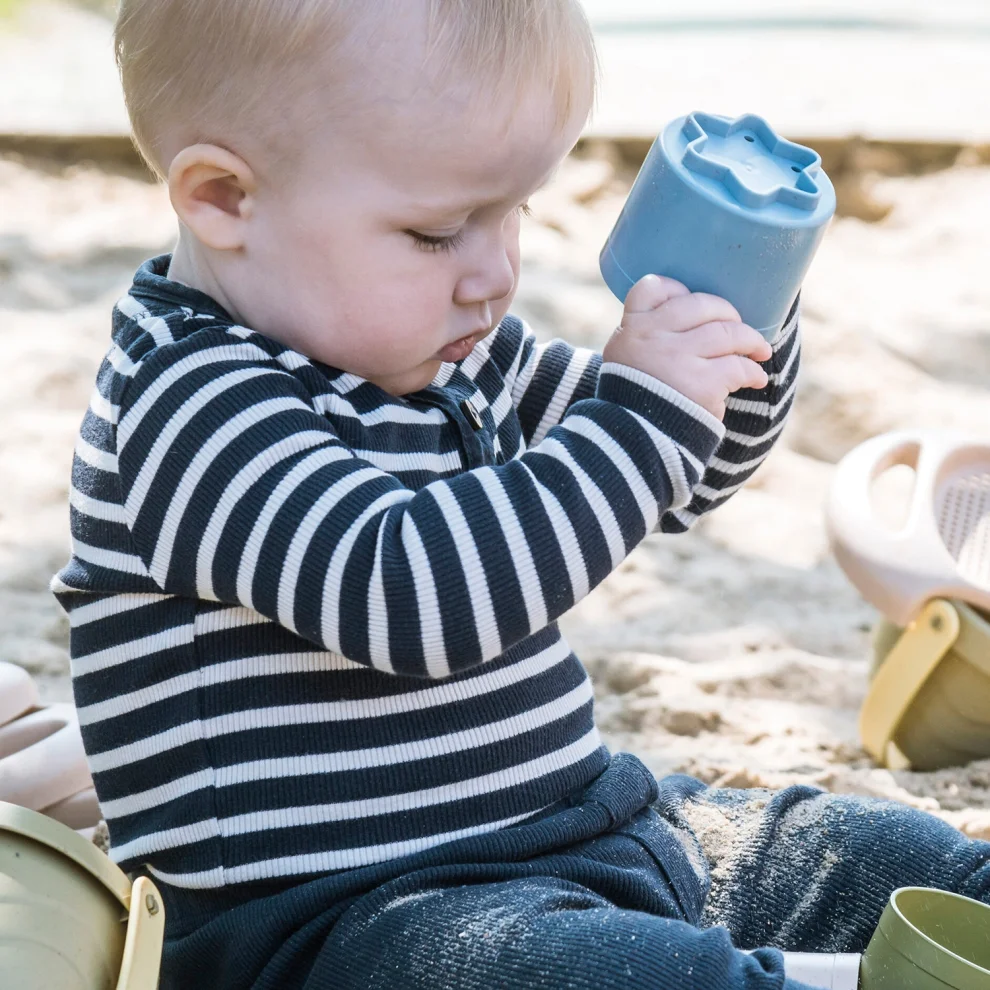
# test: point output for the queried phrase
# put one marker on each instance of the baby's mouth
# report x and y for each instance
(459, 349)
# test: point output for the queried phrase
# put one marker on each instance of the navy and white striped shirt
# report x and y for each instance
(313, 624)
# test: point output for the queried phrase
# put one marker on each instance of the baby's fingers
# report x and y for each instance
(684, 313)
(736, 372)
(723, 337)
(653, 291)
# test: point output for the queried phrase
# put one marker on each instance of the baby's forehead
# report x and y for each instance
(470, 148)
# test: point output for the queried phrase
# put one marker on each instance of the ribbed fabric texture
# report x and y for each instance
(610, 891)
(313, 625)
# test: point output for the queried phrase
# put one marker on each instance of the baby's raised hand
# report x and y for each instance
(694, 342)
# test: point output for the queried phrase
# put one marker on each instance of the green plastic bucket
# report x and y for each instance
(929, 940)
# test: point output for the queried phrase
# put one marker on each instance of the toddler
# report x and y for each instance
(329, 500)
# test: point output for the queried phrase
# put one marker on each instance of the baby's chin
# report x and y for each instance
(406, 382)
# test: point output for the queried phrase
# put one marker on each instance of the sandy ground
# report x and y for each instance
(737, 652)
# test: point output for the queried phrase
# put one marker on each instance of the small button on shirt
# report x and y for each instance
(472, 414)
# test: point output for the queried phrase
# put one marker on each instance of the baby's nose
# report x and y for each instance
(494, 278)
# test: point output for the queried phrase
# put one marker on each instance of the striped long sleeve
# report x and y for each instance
(753, 421)
(555, 375)
(312, 624)
(235, 488)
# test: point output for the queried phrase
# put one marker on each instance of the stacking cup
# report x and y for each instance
(727, 207)
(929, 940)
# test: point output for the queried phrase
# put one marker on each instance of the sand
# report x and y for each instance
(738, 652)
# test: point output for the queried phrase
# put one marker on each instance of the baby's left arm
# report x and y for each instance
(547, 379)
(753, 421)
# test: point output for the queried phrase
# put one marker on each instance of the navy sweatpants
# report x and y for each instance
(631, 884)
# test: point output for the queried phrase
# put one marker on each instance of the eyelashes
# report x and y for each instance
(451, 242)
(435, 244)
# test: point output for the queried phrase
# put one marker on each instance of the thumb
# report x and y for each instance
(651, 292)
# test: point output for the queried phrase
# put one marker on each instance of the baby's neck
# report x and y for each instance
(188, 267)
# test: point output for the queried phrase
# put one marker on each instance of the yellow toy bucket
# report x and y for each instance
(928, 705)
(69, 917)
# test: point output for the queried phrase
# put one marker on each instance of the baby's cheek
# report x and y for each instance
(512, 245)
(501, 306)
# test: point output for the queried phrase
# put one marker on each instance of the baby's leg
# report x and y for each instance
(538, 931)
(807, 871)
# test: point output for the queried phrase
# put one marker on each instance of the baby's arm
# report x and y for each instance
(237, 489)
(753, 421)
(548, 378)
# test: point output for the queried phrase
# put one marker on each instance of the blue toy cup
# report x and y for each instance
(726, 207)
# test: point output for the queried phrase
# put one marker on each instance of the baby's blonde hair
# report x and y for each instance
(214, 70)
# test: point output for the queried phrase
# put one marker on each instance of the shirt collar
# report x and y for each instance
(152, 284)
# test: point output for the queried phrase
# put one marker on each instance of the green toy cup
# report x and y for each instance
(929, 940)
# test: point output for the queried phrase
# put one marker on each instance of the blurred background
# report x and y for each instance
(738, 652)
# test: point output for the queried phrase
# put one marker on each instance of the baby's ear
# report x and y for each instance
(212, 191)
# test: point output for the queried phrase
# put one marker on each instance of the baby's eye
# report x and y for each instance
(430, 242)
(525, 210)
